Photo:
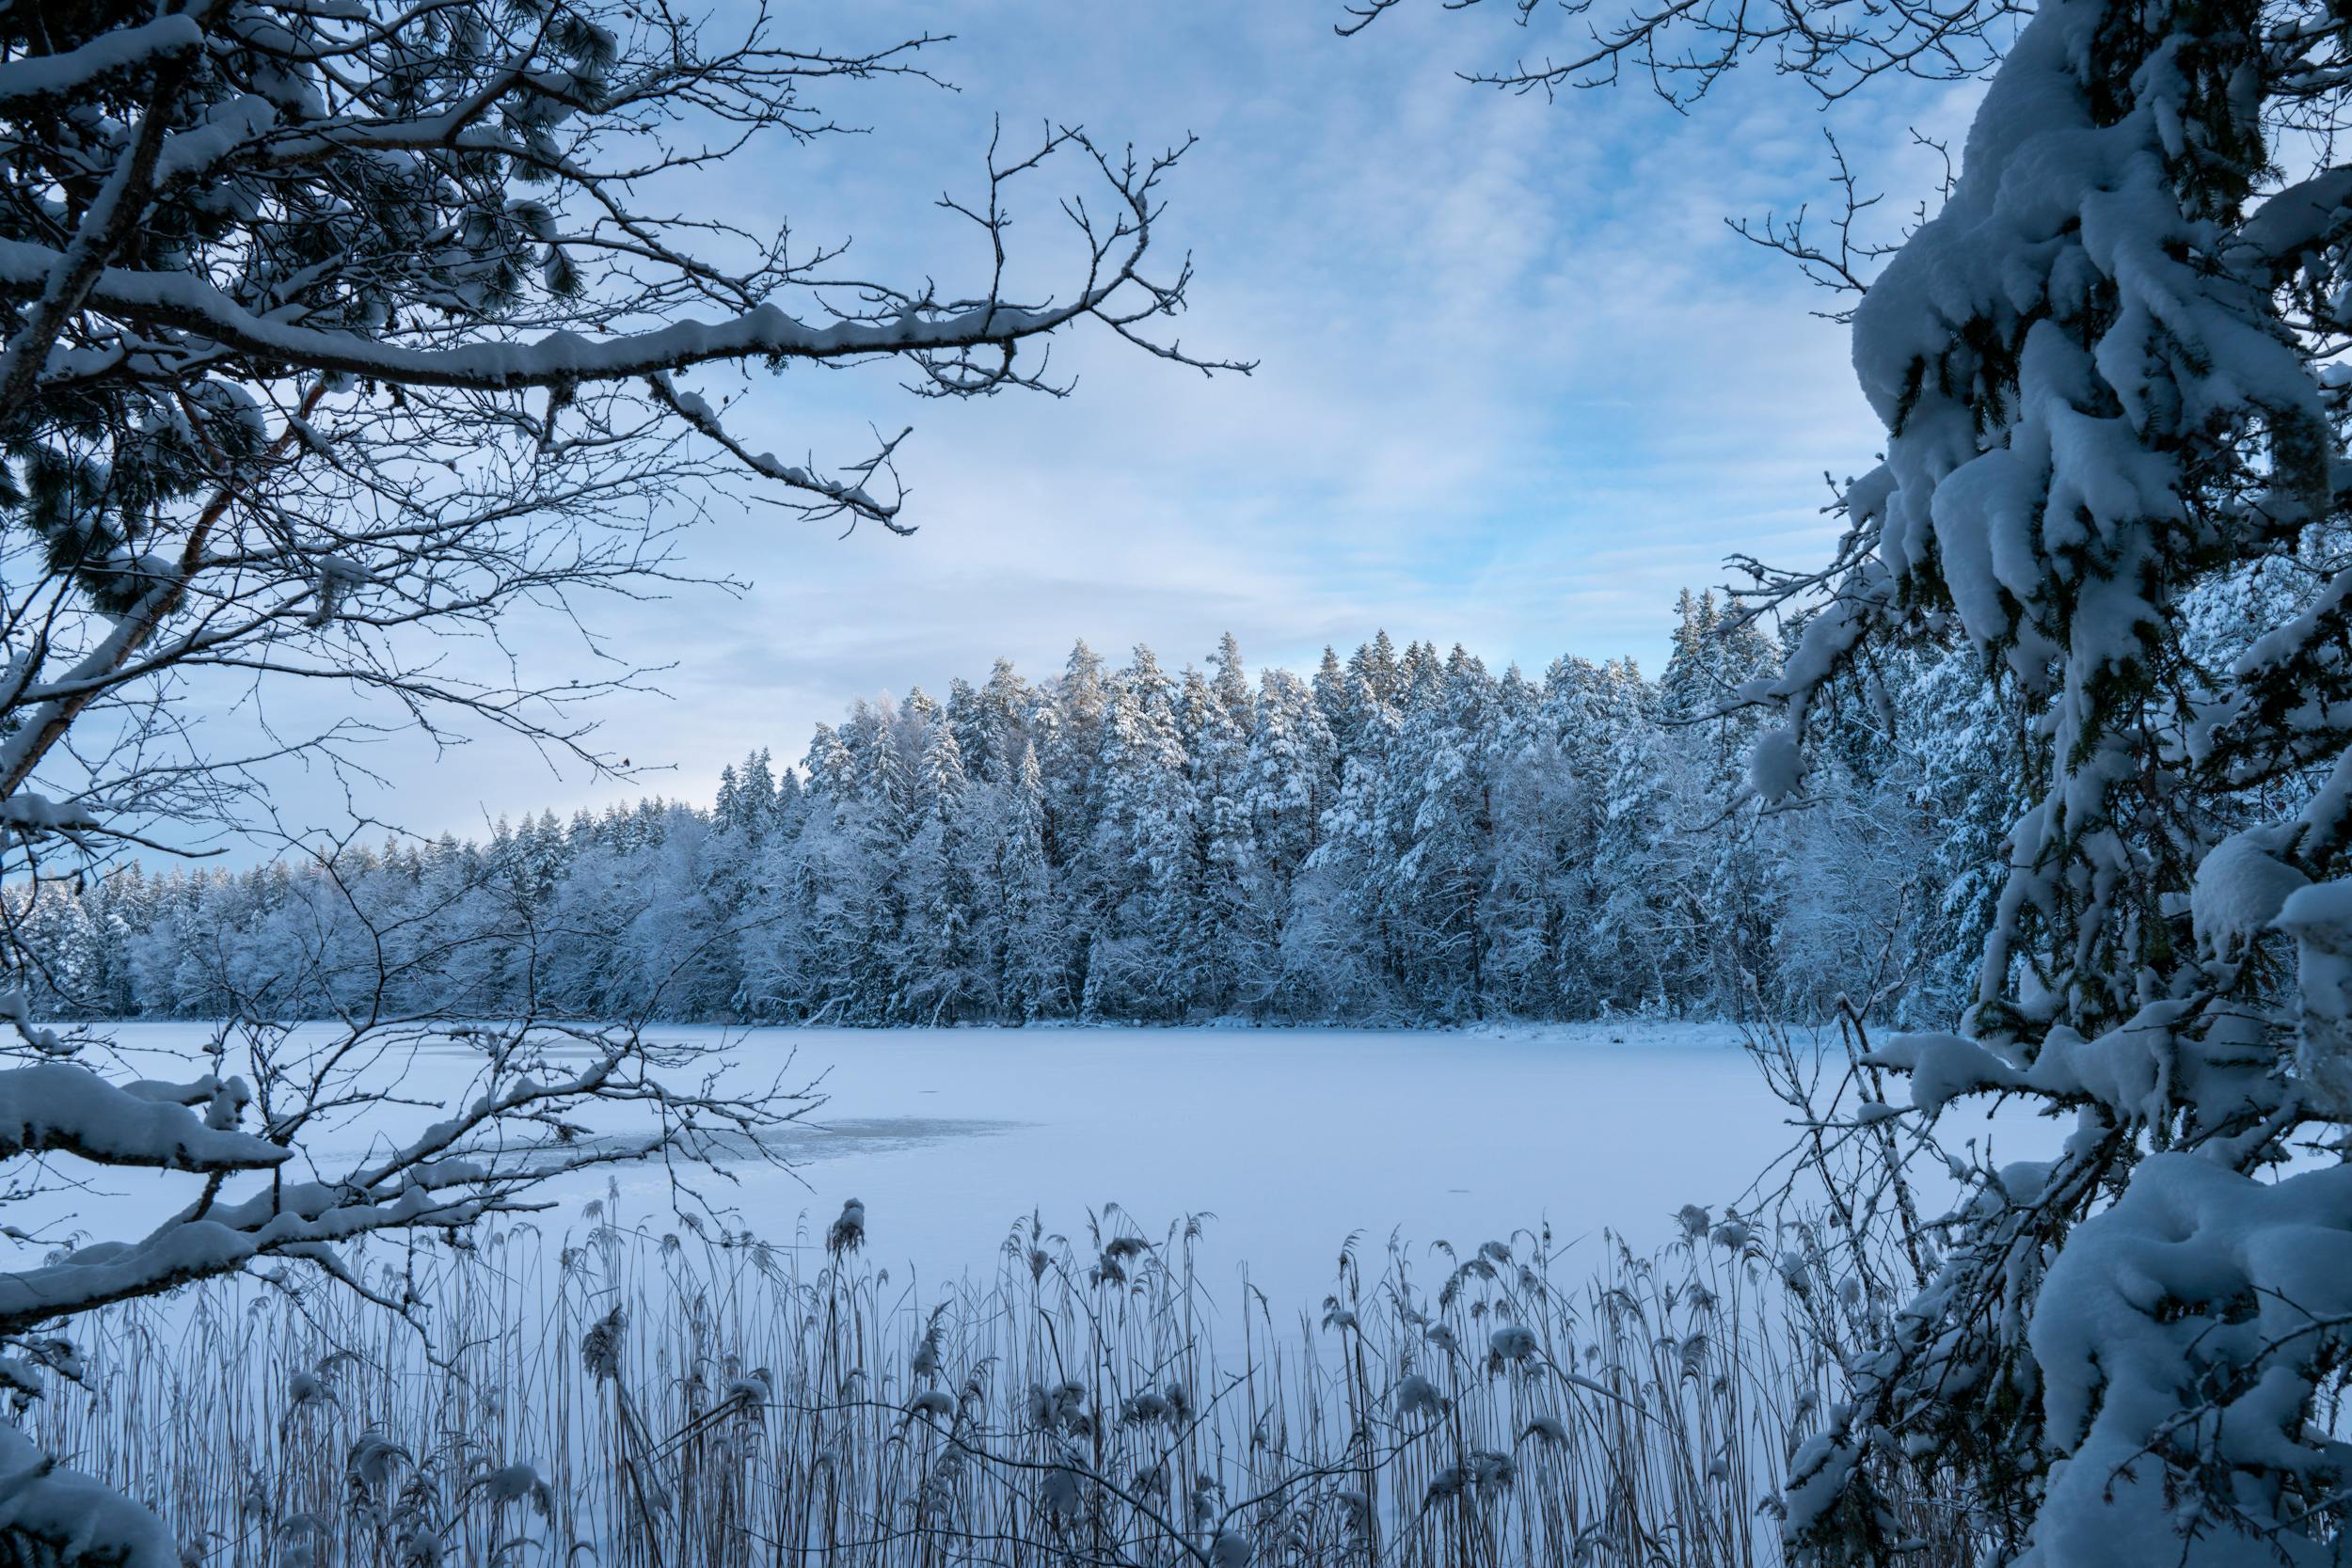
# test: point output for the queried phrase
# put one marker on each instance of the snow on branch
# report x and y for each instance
(60, 77)
(916, 327)
(486, 1154)
(318, 359)
(64, 1108)
(73, 1518)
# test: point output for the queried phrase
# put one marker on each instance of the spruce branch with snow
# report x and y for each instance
(2104, 371)
(2115, 476)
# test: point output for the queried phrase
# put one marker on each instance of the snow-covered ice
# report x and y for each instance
(1292, 1139)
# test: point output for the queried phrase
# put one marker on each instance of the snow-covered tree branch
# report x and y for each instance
(331, 338)
(327, 335)
(2108, 370)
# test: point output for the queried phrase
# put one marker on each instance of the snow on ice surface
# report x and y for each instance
(1292, 1139)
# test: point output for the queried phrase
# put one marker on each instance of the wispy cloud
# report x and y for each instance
(1518, 385)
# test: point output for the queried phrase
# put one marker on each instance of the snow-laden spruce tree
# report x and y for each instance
(2107, 371)
(330, 334)
(2102, 371)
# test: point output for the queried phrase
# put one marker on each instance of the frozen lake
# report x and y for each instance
(1292, 1139)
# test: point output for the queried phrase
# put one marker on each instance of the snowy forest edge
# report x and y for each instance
(1406, 837)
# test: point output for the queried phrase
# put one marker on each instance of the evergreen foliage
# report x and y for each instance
(1407, 838)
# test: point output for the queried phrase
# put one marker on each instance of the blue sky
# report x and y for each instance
(1518, 384)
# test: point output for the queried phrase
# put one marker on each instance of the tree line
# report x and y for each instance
(1403, 837)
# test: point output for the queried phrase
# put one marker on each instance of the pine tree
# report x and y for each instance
(940, 956)
(1232, 680)
(1445, 799)
(1032, 969)
(1376, 664)
(1334, 696)
(1229, 936)
(757, 804)
(1150, 855)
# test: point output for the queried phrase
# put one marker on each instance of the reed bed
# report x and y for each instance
(699, 1397)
